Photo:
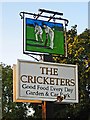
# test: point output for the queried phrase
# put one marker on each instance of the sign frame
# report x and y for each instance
(64, 46)
(37, 99)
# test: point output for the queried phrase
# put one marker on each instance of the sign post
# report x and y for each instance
(44, 114)
(49, 105)
(44, 82)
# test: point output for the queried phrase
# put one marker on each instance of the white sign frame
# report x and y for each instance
(63, 79)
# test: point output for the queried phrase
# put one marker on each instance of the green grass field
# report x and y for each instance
(37, 46)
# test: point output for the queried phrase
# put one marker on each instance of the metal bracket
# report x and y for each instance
(39, 15)
(52, 17)
(49, 11)
(21, 15)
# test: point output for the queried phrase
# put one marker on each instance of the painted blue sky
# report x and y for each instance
(30, 21)
(11, 43)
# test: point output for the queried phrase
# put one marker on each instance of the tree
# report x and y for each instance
(10, 110)
(78, 53)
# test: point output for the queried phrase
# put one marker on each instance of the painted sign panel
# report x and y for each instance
(45, 81)
(43, 37)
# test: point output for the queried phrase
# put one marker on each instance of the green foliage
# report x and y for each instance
(10, 110)
(38, 111)
(78, 53)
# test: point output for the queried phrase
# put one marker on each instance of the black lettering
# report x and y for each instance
(23, 78)
(42, 70)
(52, 81)
(55, 71)
(45, 80)
(62, 82)
(39, 79)
(30, 79)
(72, 82)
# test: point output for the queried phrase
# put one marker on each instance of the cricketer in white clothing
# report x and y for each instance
(38, 32)
(49, 32)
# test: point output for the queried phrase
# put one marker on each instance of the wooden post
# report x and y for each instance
(49, 107)
(44, 110)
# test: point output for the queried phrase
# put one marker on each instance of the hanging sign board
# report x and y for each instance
(43, 37)
(45, 81)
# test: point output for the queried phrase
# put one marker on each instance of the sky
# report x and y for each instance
(11, 35)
